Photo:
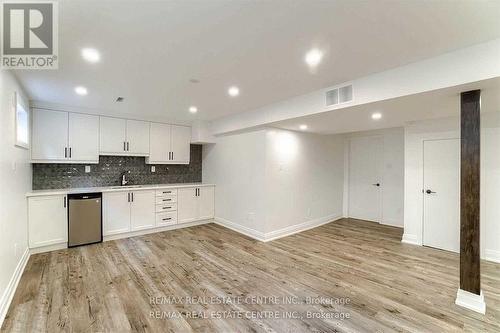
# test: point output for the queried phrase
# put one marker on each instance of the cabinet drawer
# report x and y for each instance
(167, 199)
(168, 207)
(160, 193)
(166, 218)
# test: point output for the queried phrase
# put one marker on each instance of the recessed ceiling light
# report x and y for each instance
(303, 127)
(233, 91)
(91, 55)
(193, 109)
(313, 57)
(376, 116)
(82, 91)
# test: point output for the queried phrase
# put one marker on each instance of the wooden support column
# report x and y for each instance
(470, 295)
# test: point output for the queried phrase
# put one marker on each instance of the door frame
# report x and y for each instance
(347, 178)
(423, 183)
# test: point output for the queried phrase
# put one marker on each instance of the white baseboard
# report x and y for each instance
(471, 301)
(392, 223)
(48, 248)
(252, 233)
(492, 255)
(12, 286)
(273, 235)
(410, 239)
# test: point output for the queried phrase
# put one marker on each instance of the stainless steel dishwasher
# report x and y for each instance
(84, 219)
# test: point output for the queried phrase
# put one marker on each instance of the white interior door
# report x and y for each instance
(365, 178)
(84, 137)
(442, 194)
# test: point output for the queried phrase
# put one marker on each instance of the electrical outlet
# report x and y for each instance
(153, 168)
(87, 168)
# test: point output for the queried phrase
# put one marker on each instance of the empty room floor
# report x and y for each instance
(345, 276)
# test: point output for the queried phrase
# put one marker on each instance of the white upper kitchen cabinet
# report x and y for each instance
(112, 137)
(48, 220)
(124, 137)
(142, 212)
(169, 144)
(137, 137)
(159, 143)
(49, 135)
(64, 137)
(83, 137)
(116, 213)
(181, 140)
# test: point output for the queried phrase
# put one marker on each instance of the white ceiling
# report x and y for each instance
(398, 111)
(151, 49)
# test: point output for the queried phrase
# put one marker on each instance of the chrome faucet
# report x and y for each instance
(124, 179)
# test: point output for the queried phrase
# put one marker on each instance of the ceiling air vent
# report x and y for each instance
(332, 97)
(345, 94)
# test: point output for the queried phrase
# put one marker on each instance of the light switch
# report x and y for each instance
(153, 169)
(87, 168)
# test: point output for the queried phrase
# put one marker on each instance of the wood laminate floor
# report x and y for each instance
(346, 276)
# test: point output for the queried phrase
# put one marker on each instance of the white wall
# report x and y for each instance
(304, 178)
(271, 182)
(490, 178)
(392, 174)
(236, 164)
(15, 181)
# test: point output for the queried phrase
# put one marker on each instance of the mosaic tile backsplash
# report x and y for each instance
(109, 170)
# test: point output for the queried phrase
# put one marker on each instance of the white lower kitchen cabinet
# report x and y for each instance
(124, 212)
(206, 198)
(195, 203)
(187, 205)
(116, 213)
(142, 210)
(48, 220)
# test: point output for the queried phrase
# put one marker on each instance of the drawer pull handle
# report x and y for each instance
(168, 218)
(167, 192)
(167, 207)
(167, 199)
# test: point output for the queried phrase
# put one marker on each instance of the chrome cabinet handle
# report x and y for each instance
(124, 146)
(166, 219)
(128, 146)
(69, 152)
(65, 152)
(64, 202)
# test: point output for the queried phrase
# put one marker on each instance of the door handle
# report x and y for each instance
(172, 156)
(65, 152)
(69, 152)
(429, 192)
(376, 184)
(64, 202)
(132, 196)
(128, 197)
(128, 146)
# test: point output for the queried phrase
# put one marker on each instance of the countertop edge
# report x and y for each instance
(105, 189)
